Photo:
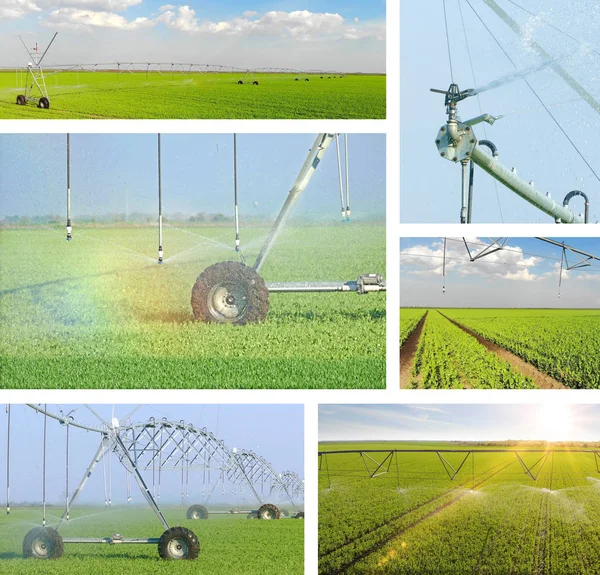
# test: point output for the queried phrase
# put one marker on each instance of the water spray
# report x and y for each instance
(69, 228)
(160, 248)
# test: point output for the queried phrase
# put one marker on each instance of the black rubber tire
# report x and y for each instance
(252, 515)
(43, 543)
(307, 79)
(299, 515)
(44, 103)
(251, 289)
(268, 511)
(197, 512)
(178, 543)
(21, 101)
(295, 79)
(240, 82)
(255, 83)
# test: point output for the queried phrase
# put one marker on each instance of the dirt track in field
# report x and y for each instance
(541, 379)
(407, 352)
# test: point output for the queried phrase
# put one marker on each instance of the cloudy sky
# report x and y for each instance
(341, 35)
(527, 138)
(239, 426)
(524, 274)
(551, 422)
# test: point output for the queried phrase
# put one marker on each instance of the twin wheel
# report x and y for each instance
(230, 292)
(43, 102)
(174, 543)
(266, 511)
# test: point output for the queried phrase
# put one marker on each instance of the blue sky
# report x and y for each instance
(455, 422)
(524, 274)
(113, 173)
(247, 427)
(526, 137)
(330, 34)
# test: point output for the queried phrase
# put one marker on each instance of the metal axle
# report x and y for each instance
(364, 284)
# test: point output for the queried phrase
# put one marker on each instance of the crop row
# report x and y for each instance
(447, 357)
(409, 320)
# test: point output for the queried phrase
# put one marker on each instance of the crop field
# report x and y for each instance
(409, 319)
(99, 312)
(491, 519)
(503, 348)
(228, 544)
(199, 96)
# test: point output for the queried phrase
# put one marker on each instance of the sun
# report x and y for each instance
(556, 422)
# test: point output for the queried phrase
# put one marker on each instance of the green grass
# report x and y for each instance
(228, 544)
(93, 314)
(218, 96)
(416, 520)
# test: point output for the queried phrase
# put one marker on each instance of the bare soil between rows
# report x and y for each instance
(407, 352)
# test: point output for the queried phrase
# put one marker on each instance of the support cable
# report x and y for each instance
(448, 42)
(347, 165)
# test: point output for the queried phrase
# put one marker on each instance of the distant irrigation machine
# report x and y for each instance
(146, 450)
(234, 292)
(35, 80)
(456, 140)
(378, 462)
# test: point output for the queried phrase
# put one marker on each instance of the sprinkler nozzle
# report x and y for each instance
(160, 255)
(69, 230)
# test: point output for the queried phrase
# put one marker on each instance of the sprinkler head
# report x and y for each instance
(160, 255)
(69, 236)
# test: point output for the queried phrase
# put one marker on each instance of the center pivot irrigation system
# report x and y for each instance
(389, 463)
(147, 450)
(35, 77)
(456, 140)
(582, 259)
(234, 292)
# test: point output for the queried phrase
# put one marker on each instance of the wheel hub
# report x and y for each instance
(227, 301)
(40, 548)
(178, 548)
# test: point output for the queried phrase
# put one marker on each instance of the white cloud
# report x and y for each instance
(13, 9)
(76, 18)
(300, 25)
(508, 264)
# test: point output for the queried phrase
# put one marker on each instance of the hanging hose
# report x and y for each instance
(337, 146)
(347, 179)
(235, 196)
(444, 267)
(160, 248)
(160, 447)
(494, 151)
(67, 475)
(562, 257)
(8, 462)
(69, 228)
(44, 472)
(104, 474)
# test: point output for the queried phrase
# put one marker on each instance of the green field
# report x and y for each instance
(492, 519)
(228, 544)
(561, 344)
(198, 96)
(99, 312)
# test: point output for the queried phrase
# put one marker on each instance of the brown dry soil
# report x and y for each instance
(407, 352)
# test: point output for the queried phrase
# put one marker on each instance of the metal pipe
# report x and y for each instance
(8, 462)
(235, 195)
(160, 248)
(470, 200)
(69, 228)
(586, 200)
(523, 189)
(465, 185)
(308, 169)
(341, 182)
(111, 540)
(298, 287)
